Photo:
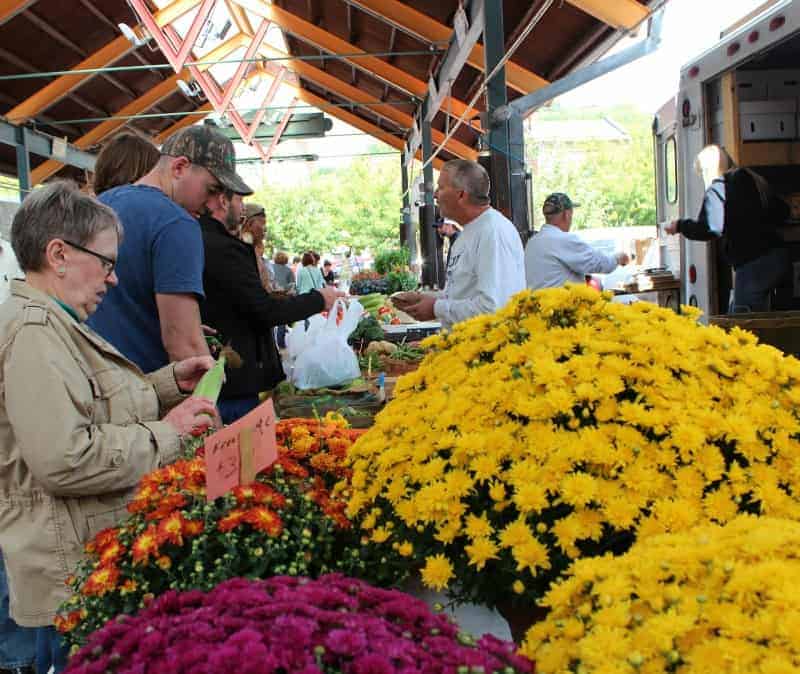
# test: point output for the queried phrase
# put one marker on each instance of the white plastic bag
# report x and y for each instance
(326, 358)
(300, 337)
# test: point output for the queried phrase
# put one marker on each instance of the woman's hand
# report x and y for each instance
(189, 371)
(193, 416)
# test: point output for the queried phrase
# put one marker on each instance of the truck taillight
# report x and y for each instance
(733, 48)
(694, 71)
(686, 107)
(753, 37)
(692, 274)
(777, 22)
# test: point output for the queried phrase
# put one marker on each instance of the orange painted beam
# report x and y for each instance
(428, 29)
(182, 124)
(104, 56)
(625, 14)
(10, 8)
(351, 93)
(139, 105)
(372, 65)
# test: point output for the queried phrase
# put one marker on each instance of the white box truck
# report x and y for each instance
(744, 95)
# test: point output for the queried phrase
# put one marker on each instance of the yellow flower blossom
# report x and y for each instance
(437, 572)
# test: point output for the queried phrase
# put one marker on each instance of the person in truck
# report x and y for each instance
(740, 209)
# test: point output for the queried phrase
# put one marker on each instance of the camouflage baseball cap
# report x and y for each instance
(204, 146)
(251, 210)
(557, 202)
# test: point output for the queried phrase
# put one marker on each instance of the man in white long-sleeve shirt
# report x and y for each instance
(486, 263)
(556, 256)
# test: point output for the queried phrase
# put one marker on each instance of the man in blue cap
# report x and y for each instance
(555, 256)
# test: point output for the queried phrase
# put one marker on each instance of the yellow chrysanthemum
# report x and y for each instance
(437, 572)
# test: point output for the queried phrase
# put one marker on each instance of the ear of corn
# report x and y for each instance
(210, 383)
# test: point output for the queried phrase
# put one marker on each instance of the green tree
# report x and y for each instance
(613, 181)
(357, 205)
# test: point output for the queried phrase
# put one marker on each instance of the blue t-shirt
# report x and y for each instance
(161, 252)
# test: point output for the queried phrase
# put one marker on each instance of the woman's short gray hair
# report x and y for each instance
(58, 210)
(471, 177)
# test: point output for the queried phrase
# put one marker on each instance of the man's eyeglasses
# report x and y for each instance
(108, 263)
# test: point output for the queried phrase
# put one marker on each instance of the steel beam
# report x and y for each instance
(273, 89)
(105, 56)
(427, 29)
(350, 93)
(279, 132)
(182, 124)
(252, 48)
(27, 141)
(527, 104)
(431, 261)
(624, 14)
(408, 236)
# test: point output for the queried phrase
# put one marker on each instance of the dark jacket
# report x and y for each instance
(238, 307)
(750, 218)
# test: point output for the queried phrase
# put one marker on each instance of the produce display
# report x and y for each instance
(718, 599)
(391, 275)
(566, 427)
(283, 625)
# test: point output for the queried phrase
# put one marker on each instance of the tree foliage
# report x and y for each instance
(357, 205)
(613, 181)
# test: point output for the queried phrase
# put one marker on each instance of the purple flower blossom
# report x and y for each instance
(282, 624)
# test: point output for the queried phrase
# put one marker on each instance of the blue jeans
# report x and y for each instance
(235, 408)
(17, 644)
(755, 280)
(50, 650)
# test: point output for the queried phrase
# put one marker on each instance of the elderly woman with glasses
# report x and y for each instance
(79, 423)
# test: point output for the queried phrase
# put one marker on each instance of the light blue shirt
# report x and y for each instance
(554, 257)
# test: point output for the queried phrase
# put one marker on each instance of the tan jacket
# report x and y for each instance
(78, 429)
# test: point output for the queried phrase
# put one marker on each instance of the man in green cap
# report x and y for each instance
(554, 255)
(152, 316)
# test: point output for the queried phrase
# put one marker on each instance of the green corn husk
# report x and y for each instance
(210, 383)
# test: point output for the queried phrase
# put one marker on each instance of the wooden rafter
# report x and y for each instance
(429, 30)
(372, 65)
(140, 105)
(104, 56)
(10, 8)
(625, 14)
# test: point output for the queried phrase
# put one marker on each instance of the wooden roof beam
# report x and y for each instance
(372, 65)
(104, 56)
(350, 93)
(620, 14)
(141, 104)
(10, 8)
(429, 30)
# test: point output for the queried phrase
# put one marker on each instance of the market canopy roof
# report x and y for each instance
(366, 62)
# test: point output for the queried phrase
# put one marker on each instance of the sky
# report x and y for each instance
(690, 28)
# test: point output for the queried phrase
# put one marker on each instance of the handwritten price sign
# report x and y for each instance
(236, 453)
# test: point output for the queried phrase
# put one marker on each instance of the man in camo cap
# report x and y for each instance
(152, 316)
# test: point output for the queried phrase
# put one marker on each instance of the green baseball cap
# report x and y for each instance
(557, 202)
(205, 146)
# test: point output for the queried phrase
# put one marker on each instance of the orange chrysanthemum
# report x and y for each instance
(111, 553)
(100, 581)
(145, 546)
(170, 529)
(232, 520)
(166, 506)
(264, 519)
(193, 527)
(67, 623)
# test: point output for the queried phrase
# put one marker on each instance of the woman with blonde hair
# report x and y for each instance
(740, 209)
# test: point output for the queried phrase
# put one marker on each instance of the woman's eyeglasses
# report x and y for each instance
(107, 262)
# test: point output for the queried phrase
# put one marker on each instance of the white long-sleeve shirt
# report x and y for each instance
(486, 267)
(553, 257)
